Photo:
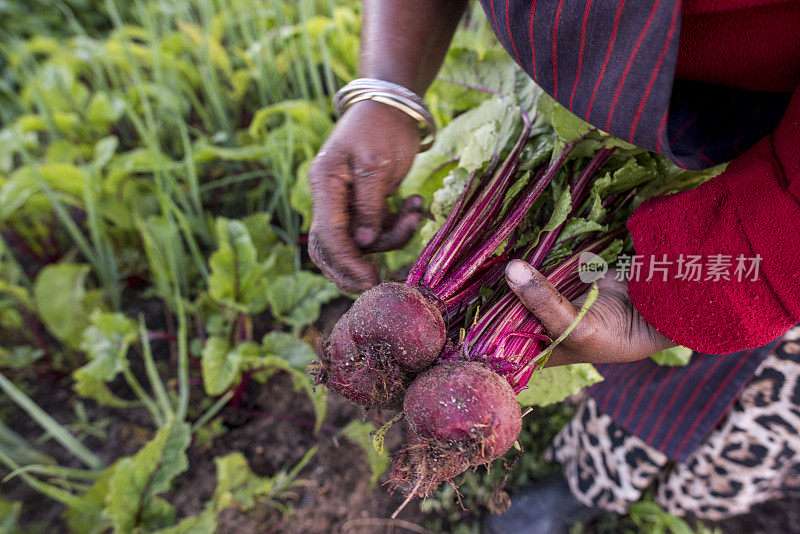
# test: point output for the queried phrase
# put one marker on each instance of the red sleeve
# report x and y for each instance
(751, 210)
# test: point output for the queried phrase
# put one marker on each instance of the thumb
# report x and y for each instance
(542, 299)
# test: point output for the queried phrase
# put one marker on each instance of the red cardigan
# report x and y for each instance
(750, 210)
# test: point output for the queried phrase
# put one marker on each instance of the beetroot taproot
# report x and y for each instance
(362, 374)
(458, 414)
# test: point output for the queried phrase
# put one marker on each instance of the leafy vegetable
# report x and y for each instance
(295, 351)
(237, 279)
(222, 364)
(63, 301)
(296, 298)
(675, 356)
(137, 481)
(361, 434)
(554, 384)
(105, 343)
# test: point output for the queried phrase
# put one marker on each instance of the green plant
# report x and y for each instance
(124, 127)
(125, 495)
(645, 517)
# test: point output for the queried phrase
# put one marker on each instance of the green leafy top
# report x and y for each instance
(554, 384)
(63, 300)
(673, 356)
(237, 277)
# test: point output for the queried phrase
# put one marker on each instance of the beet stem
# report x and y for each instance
(418, 269)
(512, 219)
(478, 217)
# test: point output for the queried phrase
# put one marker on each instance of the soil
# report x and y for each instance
(273, 429)
(272, 426)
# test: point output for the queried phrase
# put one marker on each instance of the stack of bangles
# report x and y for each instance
(391, 94)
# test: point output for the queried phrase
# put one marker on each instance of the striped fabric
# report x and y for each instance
(613, 62)
(674, 408)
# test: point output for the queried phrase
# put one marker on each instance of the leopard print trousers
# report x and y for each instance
(752, 456)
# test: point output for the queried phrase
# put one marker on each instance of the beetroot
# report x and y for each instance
(458, 414)
(362, 374)
(399, 318)
(391, 331)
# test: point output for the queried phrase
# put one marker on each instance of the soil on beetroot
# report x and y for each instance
(272, 427)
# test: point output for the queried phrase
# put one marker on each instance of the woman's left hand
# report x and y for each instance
(612, 331)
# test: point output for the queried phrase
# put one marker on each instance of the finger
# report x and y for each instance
(328, 179)
(412, 204)
(542, 299)
(400, 229)
(331, 247)
(369, 194)
(341, 262)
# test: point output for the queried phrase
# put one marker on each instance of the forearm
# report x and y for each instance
(405, 41)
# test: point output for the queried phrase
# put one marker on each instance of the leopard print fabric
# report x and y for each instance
(604, 466)
(751, 457)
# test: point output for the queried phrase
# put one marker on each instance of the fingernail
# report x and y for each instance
(415, 202)
(518, 272)
(365, 236)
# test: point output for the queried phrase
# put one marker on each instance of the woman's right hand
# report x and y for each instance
(361, 164)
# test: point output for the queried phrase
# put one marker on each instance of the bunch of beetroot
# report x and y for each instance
(452, 347)
(391, 351)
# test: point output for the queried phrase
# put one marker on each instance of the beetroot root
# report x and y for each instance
(400, 319)
(458, 414)
(363, 375)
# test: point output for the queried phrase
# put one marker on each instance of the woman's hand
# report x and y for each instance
(372, 146)
(360, 165)
(612, 330)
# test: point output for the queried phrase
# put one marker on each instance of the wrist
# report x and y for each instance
(387, 73)
(391, 95)
(379, 112)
